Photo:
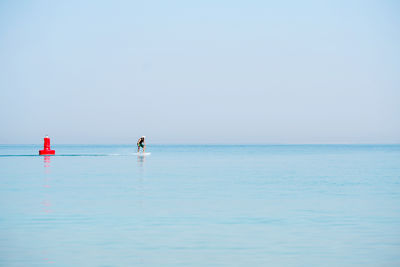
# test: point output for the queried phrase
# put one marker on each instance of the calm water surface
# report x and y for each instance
(289, 205)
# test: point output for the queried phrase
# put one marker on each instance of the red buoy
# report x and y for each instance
(46, 149)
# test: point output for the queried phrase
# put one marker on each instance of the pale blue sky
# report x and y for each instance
(200, 71)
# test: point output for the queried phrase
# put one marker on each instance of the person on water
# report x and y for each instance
(141, 144)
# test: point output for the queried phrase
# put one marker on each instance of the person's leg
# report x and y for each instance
(144, 147)
(138, 149)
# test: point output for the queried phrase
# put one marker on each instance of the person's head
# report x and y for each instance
(143, 137)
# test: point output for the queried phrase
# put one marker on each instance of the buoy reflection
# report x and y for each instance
(46, 205)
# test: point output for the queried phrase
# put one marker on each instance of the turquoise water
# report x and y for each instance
(279, 205)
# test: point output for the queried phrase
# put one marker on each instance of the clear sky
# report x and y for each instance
(200, 71)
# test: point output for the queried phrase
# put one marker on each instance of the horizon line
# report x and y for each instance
(202, 144)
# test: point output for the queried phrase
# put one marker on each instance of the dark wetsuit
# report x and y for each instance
(140, 142)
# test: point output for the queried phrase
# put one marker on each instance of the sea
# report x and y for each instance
(200, 205)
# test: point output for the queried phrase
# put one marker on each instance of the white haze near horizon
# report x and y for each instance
(200, 71)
